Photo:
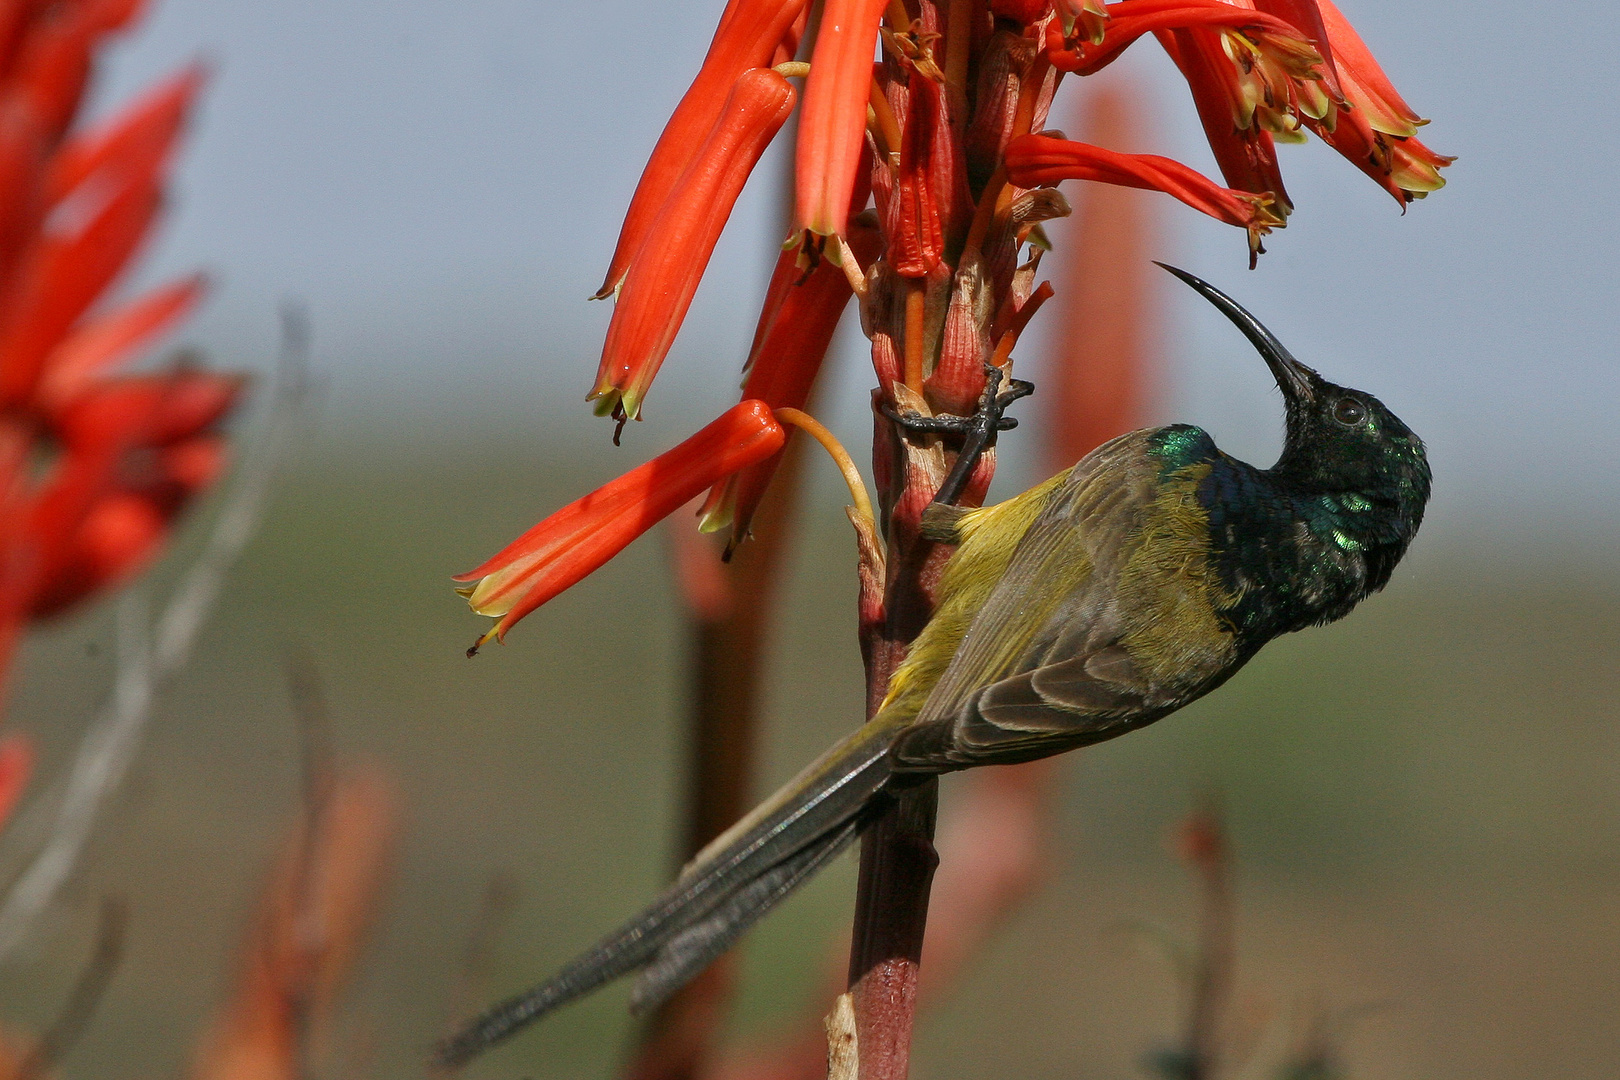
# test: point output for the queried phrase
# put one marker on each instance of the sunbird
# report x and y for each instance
(1093, 604)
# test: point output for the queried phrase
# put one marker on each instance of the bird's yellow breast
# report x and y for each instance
(987, 539)
(1170, 591)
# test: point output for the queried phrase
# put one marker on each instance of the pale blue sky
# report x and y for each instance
(441, 182)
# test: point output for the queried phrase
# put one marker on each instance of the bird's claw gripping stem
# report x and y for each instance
(978, 431)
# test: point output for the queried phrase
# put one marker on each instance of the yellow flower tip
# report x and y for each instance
(609, 288)
(466, 591)
(715, 519)
(603, 400)
(622, 405)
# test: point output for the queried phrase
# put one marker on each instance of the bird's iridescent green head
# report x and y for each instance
(1341, 444)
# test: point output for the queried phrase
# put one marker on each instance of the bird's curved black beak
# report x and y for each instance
(1293, 378)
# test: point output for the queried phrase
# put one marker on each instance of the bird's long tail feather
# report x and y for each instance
(718, 896)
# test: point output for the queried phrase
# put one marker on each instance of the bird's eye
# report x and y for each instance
(1349, 412)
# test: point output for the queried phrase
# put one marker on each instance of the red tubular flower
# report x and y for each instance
(68, 272)
(1128, 20)
(1306, 17)
(750, 34)
(1247, 156)
(54, 63)
(1416, 170)
(136, 450)
(1376, 135)
(103, 342)
(1038, 160)
(789, 346)
(582, 536)
(665, 272)
(832, 129)
(93, 469)
(1365, 84)
(148, 410)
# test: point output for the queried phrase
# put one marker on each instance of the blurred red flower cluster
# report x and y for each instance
(95, 464)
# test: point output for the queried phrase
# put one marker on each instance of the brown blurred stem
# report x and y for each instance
(1204, 847)
(1106, 354)
(729, 607)
(87, 993)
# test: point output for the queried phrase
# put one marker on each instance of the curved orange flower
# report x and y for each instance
(578, 539)
(1038, 160)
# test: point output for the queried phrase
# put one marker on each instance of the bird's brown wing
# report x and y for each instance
(1072, 680)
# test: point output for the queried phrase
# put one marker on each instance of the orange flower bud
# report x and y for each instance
(916, 229)
(750, 35)
(832, 129)
(665, 273)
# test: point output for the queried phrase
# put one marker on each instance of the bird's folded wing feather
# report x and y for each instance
(1041, 662)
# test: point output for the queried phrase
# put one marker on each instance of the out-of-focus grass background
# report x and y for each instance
(1424, 798)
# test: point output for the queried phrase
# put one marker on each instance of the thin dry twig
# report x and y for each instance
(148, 660)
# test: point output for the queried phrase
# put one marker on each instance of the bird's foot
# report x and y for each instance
(978, 431)
(986, 421)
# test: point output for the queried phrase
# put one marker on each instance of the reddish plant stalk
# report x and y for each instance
(951, 266)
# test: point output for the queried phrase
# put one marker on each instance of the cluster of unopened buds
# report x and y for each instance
(922, 182)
